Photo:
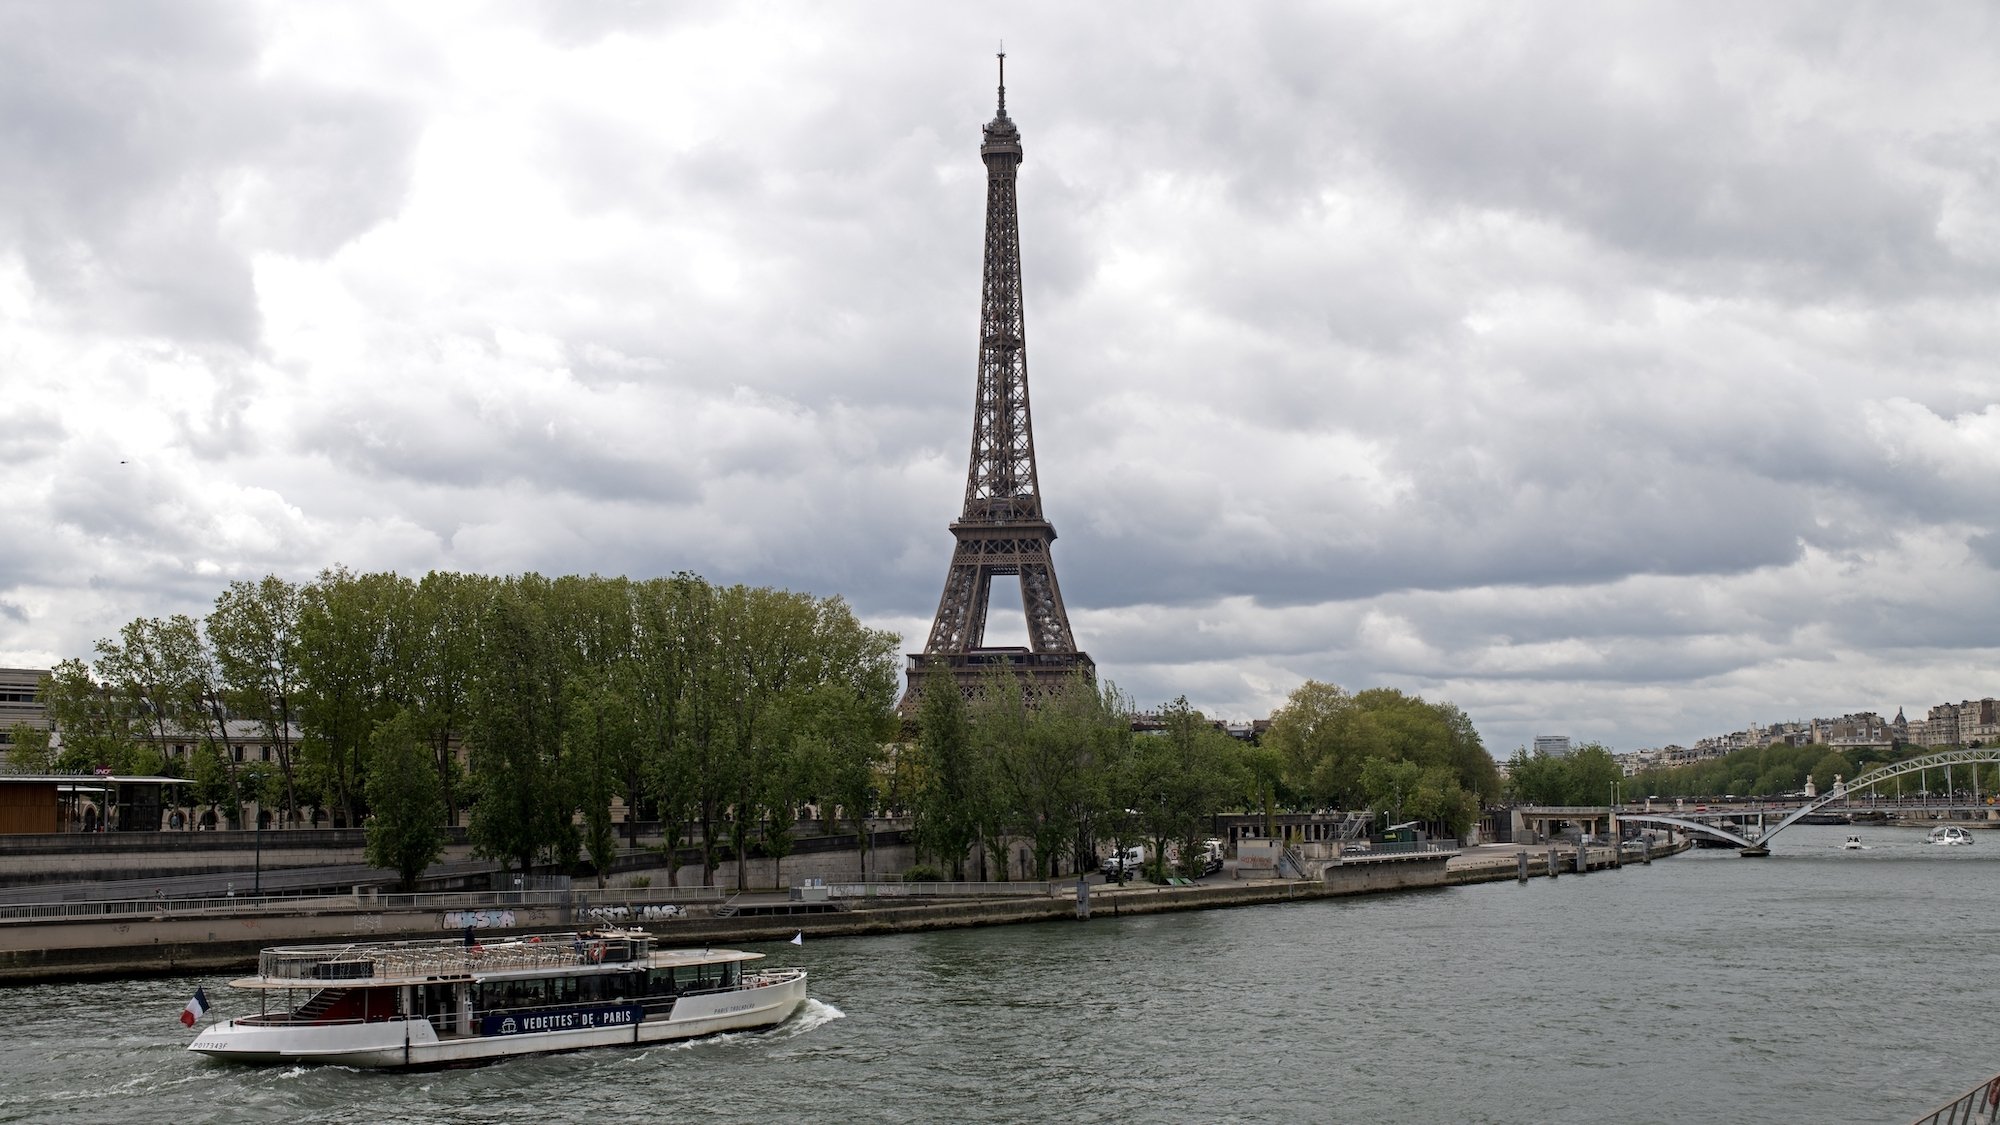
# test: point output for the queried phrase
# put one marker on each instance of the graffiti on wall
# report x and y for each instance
(477, 919)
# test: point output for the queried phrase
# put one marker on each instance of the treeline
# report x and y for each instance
(524, 707)
(717, 708)
(1587, 775)
(1777, 769)
(1063, 776)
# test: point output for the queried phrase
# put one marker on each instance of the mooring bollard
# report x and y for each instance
(1646, 851)
(1522, 858)
(1554, 869)
(1582, 860)
(1082, 897)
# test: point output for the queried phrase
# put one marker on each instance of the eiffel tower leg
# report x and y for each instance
(961, 615)
(1048, 622)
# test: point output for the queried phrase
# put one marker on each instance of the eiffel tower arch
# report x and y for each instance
(1002, 529)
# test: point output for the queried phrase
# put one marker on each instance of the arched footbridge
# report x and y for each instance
(1841, 792)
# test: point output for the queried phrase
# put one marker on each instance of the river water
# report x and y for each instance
(1817, 985)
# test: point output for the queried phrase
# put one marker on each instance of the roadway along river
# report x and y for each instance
(1818, 985)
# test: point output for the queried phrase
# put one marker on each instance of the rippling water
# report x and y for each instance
(1816, 985)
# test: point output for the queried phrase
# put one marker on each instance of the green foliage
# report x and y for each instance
(1586, 776)
(947, 786)
(1181, 777)
(31, 751)
(1770, 771)
(252, 632)
(515, 730)
(99, 726)
(1381, 749)
(718, 711)
(348, 644)
(404, 832)
(214, 784)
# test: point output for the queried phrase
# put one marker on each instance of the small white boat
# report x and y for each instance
(398, 1004)
(1854, 844)
(1950, 835)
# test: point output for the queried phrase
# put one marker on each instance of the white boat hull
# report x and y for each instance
(415, 1043)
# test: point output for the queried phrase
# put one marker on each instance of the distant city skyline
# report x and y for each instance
(1615, 371)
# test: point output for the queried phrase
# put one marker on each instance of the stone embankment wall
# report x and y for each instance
(220, 940)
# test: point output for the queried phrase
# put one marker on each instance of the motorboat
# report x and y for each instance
(1950, 835)
(1854, 844)
(398, 1004)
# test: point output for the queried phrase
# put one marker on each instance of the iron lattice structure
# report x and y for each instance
(1002, 529)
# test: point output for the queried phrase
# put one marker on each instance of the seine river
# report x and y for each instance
(1817, 985)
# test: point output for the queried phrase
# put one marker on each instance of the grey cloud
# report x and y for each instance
(1986, 546)
(128, 127)
(460, 449)
(29, 434)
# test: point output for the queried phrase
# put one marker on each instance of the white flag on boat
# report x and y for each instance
(197, 1008)
(799, 938)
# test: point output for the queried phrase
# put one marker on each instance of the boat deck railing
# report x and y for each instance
(1979, 1104)
(334, 966)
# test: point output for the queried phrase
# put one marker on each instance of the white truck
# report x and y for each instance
(1125, 863)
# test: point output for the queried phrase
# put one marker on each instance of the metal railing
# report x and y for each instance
(1979, 1104)
(360, 962)
(1350, 854)
(855, 886)
(633, 900)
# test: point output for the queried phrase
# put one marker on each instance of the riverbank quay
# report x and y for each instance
(110, 939)
(1491, 863)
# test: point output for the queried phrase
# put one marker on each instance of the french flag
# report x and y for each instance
(197, 1008)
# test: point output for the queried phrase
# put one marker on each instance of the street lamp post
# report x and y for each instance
(258, 884)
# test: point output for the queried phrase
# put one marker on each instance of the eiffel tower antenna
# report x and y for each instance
(1001, 530)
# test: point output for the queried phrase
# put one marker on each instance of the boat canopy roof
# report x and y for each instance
(365, 964)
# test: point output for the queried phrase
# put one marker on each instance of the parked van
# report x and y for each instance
(1129, 863)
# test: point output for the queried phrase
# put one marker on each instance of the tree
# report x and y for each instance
(1593, 773)
(1438, 799)
(1181, 777)
(668, 617)
(344, 656)
(448, 606)
(523, 805)
(1537, 779)
(601, 731)
(253, 631)
(1323, 738)
(31, 753)
(1391, 785)
(943, 800)
(99, 726)
(404, 832)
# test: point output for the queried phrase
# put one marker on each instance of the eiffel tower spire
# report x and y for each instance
(1001, 530)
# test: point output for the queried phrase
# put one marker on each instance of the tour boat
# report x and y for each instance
(1950, 834)
(446, 1002)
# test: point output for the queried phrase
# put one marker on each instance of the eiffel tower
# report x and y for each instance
(1002, 530)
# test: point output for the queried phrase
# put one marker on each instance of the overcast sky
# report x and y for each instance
(1618, 371)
